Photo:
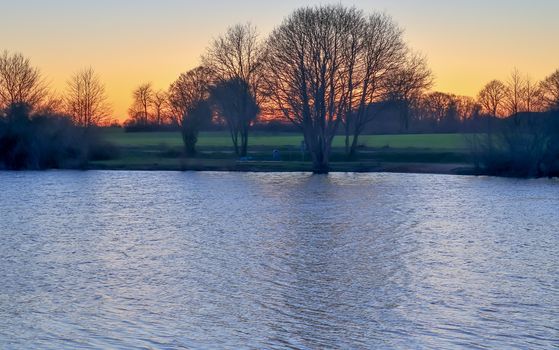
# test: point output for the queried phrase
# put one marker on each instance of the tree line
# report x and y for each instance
(321, 70)
(39, 130)
(328, 70)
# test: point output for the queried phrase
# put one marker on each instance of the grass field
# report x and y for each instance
(164, 151)
(447, 142)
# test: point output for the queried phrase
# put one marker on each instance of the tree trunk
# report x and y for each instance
(353, 149)
(235, 139)
(320, 165)
(244, 146)
(490, 133)
(347, 136)
(244, 141)
(319, 152)
(189, 138)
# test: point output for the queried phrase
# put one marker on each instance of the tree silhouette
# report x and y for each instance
(160, 106)
(235, 61)
(407, 83)
(550, 91)
(85, 99)
(309, 68)
(143, 98)
(492, 98)
(236, 105)
(188, 97)
(375, 49)
(20, 83)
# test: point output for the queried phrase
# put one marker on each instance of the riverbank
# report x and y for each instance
(161, 151)
(279, 166)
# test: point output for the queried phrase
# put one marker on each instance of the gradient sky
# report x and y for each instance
(129, 42)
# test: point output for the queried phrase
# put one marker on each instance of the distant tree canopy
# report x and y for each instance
(492, 98)
(550, 91)
(150, 108)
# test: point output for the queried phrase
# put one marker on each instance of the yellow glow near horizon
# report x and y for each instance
(467, 43)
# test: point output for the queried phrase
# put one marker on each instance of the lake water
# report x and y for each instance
(170, 260)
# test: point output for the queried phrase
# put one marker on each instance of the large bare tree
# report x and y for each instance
(188, 98)
(309, 70)
(235, 61)
(85, 99)
(20, 82)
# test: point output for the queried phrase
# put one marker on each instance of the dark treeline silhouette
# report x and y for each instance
(221, 93)
(43, 140)
(39, 130)
(520, 136)
(330, 71)
(524, 145)
(84, 100)
(189, 101)
(325, 71)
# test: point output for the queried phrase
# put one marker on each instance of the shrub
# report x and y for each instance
(45, 141)
(526, 145)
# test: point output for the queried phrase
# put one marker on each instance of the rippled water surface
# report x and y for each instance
(153, 260)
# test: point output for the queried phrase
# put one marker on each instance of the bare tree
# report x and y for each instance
(85, 99)
(235, 104)
(51, 104)
(375, 49)
(443, 111)
(516, 86)
(308, 72)
(143, 97)
(188, 98)
(467, 107)
(20, 83)
(549, 88)
(237, 56)
(438, 106)
(492, 98)
(532, 97)
(407, 83)
(160, 106)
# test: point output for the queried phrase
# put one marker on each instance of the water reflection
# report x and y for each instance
(214, 260)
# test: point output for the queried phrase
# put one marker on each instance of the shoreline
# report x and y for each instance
(289, 167)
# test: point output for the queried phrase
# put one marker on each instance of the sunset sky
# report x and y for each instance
(129, 42)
